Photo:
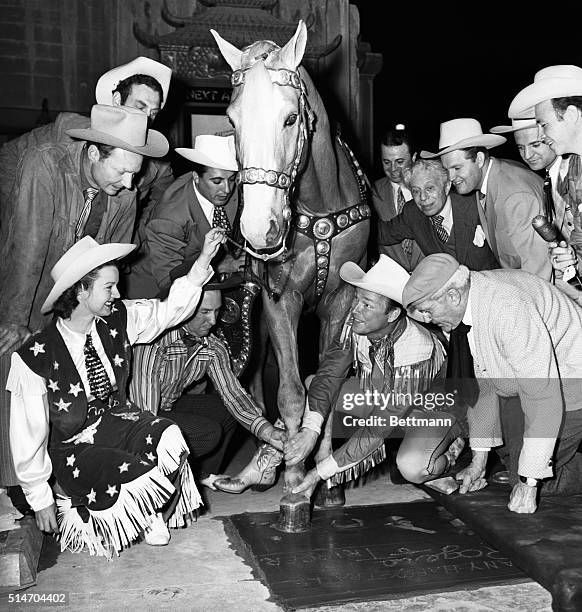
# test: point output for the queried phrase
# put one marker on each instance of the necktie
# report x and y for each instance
(460, 371)
(400, 202)
(219, 218)
(548, 199)
(99, 382)
(89, 194)
(437, 223)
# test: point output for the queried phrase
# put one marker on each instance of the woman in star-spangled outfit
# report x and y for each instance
(119, 472)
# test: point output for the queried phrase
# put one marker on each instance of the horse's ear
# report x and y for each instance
(292, 53)
(231, 54)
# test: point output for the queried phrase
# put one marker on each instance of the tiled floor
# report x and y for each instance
(199, 571)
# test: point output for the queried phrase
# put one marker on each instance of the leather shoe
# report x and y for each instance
(260, 473)
(157, 533)
(501, 477)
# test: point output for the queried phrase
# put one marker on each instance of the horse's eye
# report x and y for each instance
(291, 119)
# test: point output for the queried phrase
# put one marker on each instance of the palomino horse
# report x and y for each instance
(305, 208)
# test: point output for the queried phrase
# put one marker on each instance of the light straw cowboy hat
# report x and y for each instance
(386, 277)
(462, 134)
(79, 260)
(123, 127)
(516, 125)
(107, 84)
(552, 82)
(212, 151)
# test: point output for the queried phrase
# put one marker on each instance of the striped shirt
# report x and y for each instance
(164, 369)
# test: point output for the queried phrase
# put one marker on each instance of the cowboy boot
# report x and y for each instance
(260, 473)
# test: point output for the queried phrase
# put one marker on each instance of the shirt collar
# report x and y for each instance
(206, 205)
(483, 188)
(405, 191)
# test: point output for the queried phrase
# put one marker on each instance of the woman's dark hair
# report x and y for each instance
(67, 301)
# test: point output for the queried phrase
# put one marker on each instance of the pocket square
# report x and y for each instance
(479, 237)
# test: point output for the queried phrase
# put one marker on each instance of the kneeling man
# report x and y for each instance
(525, 340)
(395, 361)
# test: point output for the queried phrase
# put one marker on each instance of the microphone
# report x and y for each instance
(550, 233)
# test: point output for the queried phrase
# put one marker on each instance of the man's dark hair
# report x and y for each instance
(200, 169)
(397, 137)
(124, 87)
(67, 301)
(471, 152)
(561, 104)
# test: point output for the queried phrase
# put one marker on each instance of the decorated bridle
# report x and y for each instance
(277, 178)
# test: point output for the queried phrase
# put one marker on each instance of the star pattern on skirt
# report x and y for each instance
(76, 473)
(117, 360)
(149, 440)
(144, 462)
(111, 490)
(151, 456)
(124, 467)
(37, 348)
(75, 389)
(53, 385)
(71, 460)
(56, 365)
(91, 496)
(113, 333)
(62, 405)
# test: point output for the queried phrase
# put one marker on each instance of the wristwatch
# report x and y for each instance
(530, 482)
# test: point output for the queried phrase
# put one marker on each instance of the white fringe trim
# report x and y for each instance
(353, 472)
(109, 531)
(170, 449)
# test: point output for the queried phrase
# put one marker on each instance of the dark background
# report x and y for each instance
(465, 60)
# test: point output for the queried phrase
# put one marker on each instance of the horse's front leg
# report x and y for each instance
(282, 319)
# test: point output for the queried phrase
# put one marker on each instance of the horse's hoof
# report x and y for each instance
(294, 514)
(294, 476)
(329, 498)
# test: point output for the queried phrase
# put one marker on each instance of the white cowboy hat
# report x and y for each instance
(107, 84)
(212, 151)
(386, 277)
(79, 260)
(123, 127)
(516, 125)
(462, 134)
(552, 82)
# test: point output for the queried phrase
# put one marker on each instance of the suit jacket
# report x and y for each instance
(154, 178)
(412, 223)
(173, 234)
(515, 195)
(527, 342)
(385, 207)
(45, 205)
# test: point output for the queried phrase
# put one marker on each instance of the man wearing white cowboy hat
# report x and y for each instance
(508, 195)
(556, 96)
(114, 466)
(396, 361)
(196, 201)
(142, 84)
(64, 192)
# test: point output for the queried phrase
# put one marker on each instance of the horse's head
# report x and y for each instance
(270, 115)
